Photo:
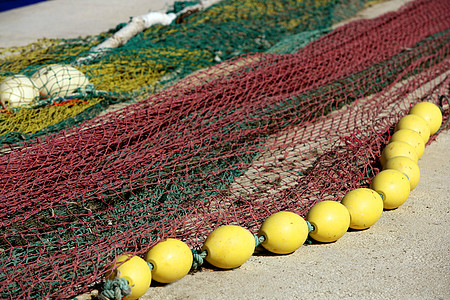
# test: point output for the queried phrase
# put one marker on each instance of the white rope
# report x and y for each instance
(137, 25)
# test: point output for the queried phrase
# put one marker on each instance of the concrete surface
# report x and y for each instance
(404, 256)
(69, 18)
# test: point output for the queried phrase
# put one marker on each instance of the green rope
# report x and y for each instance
(150, 265)
(198, 259)
(309, 241)
(115, 289)
(259, 240)
(310, 227)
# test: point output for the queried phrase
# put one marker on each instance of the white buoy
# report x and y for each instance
(17, 90)
(59, 80)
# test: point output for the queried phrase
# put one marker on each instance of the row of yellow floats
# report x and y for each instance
(284, 232)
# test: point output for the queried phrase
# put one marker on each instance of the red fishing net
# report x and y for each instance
(231, 145)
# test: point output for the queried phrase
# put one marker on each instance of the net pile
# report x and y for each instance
(162, 55)
(232, 144)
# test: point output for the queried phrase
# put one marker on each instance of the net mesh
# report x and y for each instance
(231, 144)
(160, 56)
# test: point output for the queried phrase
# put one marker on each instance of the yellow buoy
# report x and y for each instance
(398, 148)
(407, 167)
(393, 186)
(416, 123)
(330, 220)
(229, 246)
(171, 260)
(365, 207)
(59, 80)
(284, 232)
(17, 91)
(410, 137)
(136, 271)
(430, 112)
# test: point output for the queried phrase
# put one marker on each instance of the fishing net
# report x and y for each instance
(159, 56)
(231, 144)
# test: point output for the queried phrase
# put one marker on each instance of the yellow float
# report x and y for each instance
(407, 167)
(430, 112)
(284, 232)
(365, 207)
(229, 246)
(398, 148)
(171, 260)
(330, 220)
(410, 137)
(136, 271)
(393, 186)
(416, 123)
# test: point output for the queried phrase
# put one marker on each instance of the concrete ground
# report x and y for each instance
(403, 256)
(69, 18)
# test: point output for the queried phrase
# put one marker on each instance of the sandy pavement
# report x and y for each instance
(403, 256)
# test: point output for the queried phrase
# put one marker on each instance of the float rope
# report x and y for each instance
(118, 287)
(115, 289)
(309, 241)
(198, 259)
(259, 240)
(441, 107)
(310, 227)
(150, 265)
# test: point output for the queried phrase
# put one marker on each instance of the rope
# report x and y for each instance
(441, 107)
(310, 227)
(118, 287)
(259, 240)
(309, 241)
(115, 289)
(150, 265)
(198, 259)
